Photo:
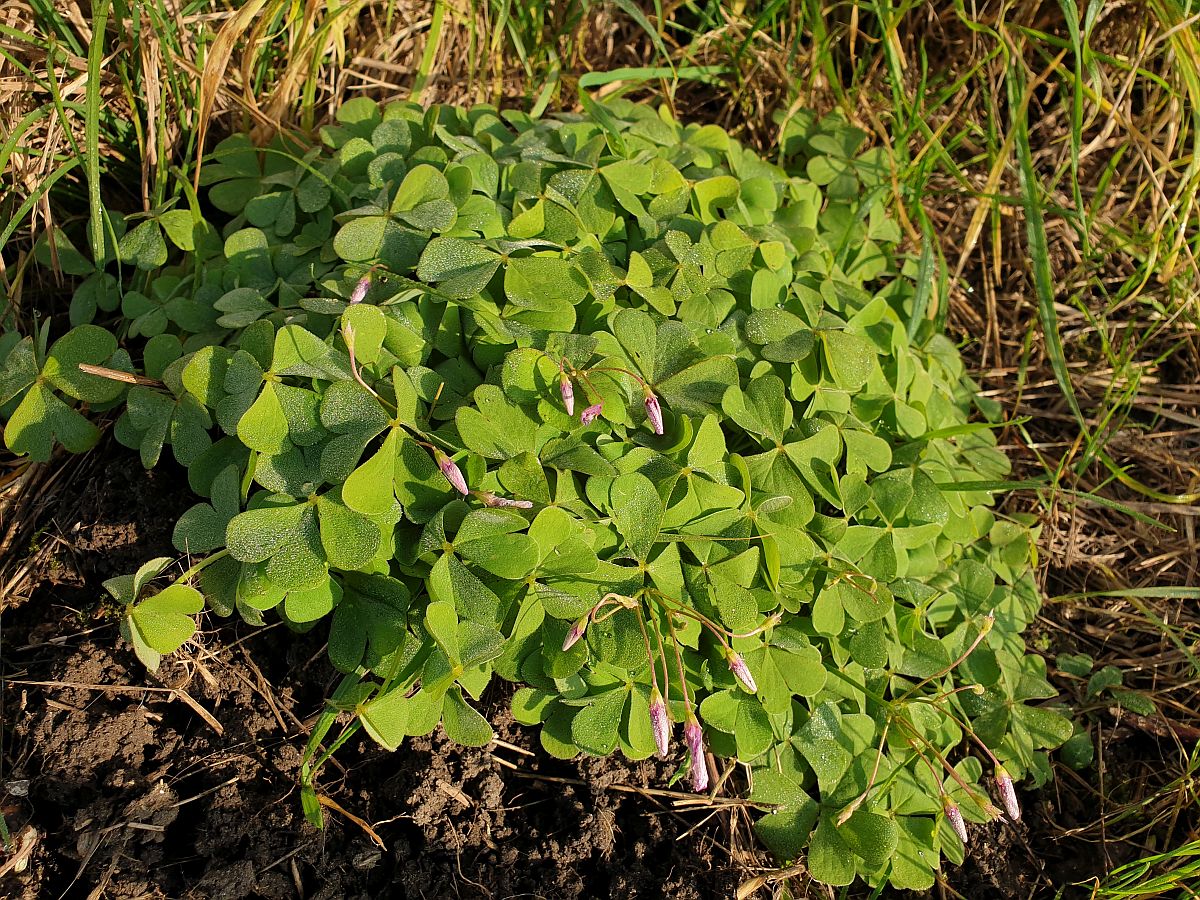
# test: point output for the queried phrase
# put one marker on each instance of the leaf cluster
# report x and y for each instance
(405, 306)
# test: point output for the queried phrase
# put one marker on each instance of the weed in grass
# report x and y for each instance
(775, 529)
(1111, 130)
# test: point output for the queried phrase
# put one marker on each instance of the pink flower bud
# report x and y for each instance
(360, 289)
(955, 818)
(654, 412)
(1008, 794)
(452, 472)
(589, 415)
(575, 633)
(660, 722)
(490, 499)
(568, 393)
(693, 734)
(742, 672)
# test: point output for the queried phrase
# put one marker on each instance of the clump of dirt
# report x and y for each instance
(133, 791)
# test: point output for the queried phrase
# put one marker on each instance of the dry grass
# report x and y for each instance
(1110, 119)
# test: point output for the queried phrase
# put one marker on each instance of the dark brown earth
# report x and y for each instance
(130, 791)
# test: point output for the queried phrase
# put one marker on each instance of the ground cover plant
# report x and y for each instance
(1037, 167)
(768, 526)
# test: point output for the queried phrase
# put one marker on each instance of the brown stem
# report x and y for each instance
(118, 375)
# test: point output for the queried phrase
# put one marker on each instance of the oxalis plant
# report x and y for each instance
(606, 406)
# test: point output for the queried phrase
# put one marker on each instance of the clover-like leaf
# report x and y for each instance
(369, 622)
(385, 718)
(739, 714)
(460, 268)
(162, 623)
(41, 419)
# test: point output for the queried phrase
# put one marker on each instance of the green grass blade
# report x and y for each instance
(926, 274)
(630, 9)
(432, 42)
(1035, 233)
(92, 130)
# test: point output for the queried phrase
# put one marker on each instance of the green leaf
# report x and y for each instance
(849, 358)
(257, 534)
(385, 718)
(463, 724)
(369, 622)
(596, 727)
(361, 239)
(741, 715)
(460, 268)
(784, 830)
(41, 419)
(202, 527)
(1108, 677)
(762, 409)
(179, 226)
(369, 327)
(369, 489)
(830, 859)
(85, 344)
(450, 581)
(871, 836)
(441, 621)
(165, 621)
(713, 194)
(636, 512)
(298, 351)
(144, 246)
(19, 370)
(496, 428)
(314, 603)
(264, 427)
(1078, 751)
(350, 539)
(793, 669)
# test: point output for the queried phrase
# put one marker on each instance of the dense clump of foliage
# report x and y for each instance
(607, 406)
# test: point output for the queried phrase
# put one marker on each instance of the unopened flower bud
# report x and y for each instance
(660, 722)
(698, 769)
(589, 415)
(452, 472)
(496, 502)
(568, 393)
(954, 816)
(1008, 793)
(360, 289)
(575, 633)
(654, 413)
(741, 671)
